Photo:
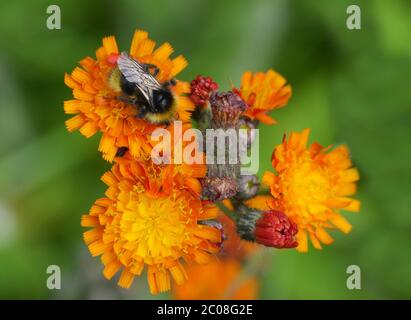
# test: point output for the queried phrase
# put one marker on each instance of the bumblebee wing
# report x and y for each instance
(134, 72)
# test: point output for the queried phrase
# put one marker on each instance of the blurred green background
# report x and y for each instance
(350, 87)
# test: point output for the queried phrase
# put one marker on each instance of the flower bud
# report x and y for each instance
(226, 108)
(221, 180)
(274, 229)
(218, 188)
(247, 187)
(201, 88)
(269, 228)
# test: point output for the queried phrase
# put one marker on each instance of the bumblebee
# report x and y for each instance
(138, 86)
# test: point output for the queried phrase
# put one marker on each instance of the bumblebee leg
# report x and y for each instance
(141, 111)
(170, 83)
(127, 100)
(149, 66)
(136, 101)
(121, 151)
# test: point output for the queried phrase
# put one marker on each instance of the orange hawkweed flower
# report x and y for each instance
(218, 280)
(150, 217)
(96, 105)
(263, 92)
(311, 185)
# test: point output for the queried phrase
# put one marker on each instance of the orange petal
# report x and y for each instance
(97, 248)
(71, 106)
(89, 221)
(178, 273)
(354, 206)
(228, 204)
(111, 269)
(314, 240)
(138, 37)
(350, 175)
(259, 202)
(201, 257)
(302, 241)
(75, 122)
(346, 189)
(89, 129)
(341, 223)
(323, 236)
(208, 233)
(70, 82)
(179, 64)
(269, 178)
(92, 235)
(126, 279)
(265, 118)
(162, 280)
(209, 212)
(163, 52)
(110, 45)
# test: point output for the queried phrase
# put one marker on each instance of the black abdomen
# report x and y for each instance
(162, 101)
(126, 86)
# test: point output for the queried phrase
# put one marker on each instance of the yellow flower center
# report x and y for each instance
(306, 187)
(155, 228)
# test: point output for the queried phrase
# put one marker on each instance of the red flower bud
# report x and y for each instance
(201, 88)
(274, 229)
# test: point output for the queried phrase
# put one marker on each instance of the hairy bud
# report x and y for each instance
(221, 180)
(218, 188)
(226, 108)
(247, 187)
(269, 228)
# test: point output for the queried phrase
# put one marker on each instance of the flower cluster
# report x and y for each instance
(180, 221)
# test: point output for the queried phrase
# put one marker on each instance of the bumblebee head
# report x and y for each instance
(162, 100)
